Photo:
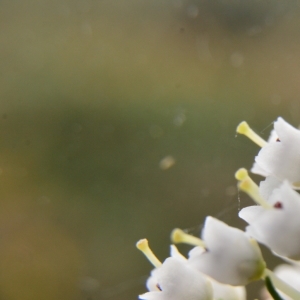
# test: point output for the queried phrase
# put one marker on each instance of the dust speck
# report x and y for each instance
(167, 162)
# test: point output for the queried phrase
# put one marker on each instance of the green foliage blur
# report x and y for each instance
(117, 122)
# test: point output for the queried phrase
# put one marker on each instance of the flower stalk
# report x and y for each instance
(281, 285)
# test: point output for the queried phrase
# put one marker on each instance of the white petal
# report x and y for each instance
(251, 213)
(175, 253)
(228, 292)
(152, 282)
(267, 186)
(290, 274)
(273, 136)
(277, 228)
(285, 131)
(152, 296)
(231, 257)
(178, 281)
(196, 251)
(257, 169)
(281, 159)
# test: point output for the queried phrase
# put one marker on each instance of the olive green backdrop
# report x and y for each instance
(96, 97)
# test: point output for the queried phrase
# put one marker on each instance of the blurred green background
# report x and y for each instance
(117, 122)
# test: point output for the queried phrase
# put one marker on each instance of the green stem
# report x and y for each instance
(271, 289)
(282, 286)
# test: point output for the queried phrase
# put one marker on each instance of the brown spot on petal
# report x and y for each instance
(278, 205)
(278, 140)
(158, 286)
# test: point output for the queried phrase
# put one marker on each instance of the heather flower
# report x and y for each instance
(174, 279)
(230, 256)
(177, 281)
(279, 157)
(276, 226)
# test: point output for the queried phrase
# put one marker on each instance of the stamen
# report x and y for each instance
(248, 186)
(243, 128)
(179, 236)
(143, 246)
(241, 174)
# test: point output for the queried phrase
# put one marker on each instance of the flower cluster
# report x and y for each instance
(226, 259)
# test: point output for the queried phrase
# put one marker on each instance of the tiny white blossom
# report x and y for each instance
(228, 292)
(280, 157)
(220, 291)
(231, 257)
(277, 227)
(176, 280)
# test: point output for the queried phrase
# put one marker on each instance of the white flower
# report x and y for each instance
(227, 292)
(267, 186)
(280, 157)
(175, 280)
(231, 257)
(221, 290)
(277, 227)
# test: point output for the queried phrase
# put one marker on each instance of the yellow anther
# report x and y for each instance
(250, 187)
(179, 236)
(244, 128)
(143, 246)
(241, 174)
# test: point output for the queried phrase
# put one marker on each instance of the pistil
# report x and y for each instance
(179, 236)
(247, 185)
(143, 246)
(244, 128)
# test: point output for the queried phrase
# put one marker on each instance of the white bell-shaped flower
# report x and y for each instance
(267, 186)
(231, 257)
(176, 280)
(169, 279)
(221, 290)
(152, 282)
(280, 157)
(276, 226)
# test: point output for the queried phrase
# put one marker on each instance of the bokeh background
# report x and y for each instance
(117, 122)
